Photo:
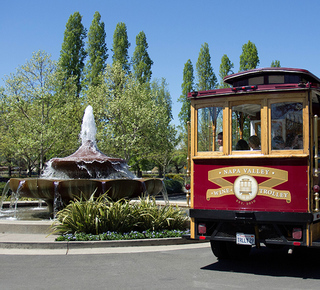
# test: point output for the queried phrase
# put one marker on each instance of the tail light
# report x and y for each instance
(202, 229)
(297, 233)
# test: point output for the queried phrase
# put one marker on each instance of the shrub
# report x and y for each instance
(173, 186)
(101, 215)
(176, 177)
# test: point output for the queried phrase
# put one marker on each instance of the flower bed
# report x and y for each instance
(133, 235)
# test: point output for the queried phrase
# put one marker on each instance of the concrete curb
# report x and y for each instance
(95, 244)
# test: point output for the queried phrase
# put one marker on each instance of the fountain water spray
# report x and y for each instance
(88, 127)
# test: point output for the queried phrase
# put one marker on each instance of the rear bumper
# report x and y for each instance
(254, 216)
(268, 227)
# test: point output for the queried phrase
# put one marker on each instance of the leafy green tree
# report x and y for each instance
(96, 49)
(187, 86)
(141, 61)
(249, 58)
(184, 114)
(206, 79)
(7, 153)
(125, 116)
(73, 54)
(40, 120)
(275, 63)
(165, 135)
(225, 69)
(120, 46)
(132, 120)
(161, 95)
(179, 160)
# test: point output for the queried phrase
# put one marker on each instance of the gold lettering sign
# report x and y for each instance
(242, 188)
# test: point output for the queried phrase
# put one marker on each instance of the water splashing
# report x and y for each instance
(88, 127)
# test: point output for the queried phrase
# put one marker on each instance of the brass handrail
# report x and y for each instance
(316, 160)
(315, 136)
(188, 160)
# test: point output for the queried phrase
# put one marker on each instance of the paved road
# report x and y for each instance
(158, 267)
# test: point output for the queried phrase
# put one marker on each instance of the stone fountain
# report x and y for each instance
(87, 171)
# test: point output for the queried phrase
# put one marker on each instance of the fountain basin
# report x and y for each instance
(89, 163)
(68, 189)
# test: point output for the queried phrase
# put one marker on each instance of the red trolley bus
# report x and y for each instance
(254, 161)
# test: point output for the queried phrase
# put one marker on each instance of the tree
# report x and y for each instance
(97, 50)
(275, 63)
(249, 58)
(165, 134)
(133, 120)
(225, 69)
(120, 46)
(185, 112)
(126, 116)
(141, 61)
(179, 160)
(187, 86)
(206, 79)
(73, 54)
(40, 120)
(7, 152)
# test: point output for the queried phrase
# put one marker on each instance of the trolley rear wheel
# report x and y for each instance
(229, 250)
(219, 249)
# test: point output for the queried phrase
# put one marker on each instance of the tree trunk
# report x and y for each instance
(160, 171)
(139, 172)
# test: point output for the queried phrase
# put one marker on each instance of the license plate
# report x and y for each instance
(245, 239)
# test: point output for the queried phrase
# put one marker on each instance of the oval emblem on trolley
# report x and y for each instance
(245, 187)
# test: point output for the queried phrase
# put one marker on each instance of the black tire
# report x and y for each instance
(219, 249)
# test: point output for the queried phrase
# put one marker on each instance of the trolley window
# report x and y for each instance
(210, 122)
(287, 126)
(246, 127)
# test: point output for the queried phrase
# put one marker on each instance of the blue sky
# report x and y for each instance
(285, 30)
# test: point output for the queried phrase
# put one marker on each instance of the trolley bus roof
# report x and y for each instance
(262, 79)
(304, 74)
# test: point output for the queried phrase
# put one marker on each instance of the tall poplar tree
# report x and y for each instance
(187, 86)
(120, 46)
(97, 50)
(206, 79)
(225, 69)
(141, 61)
(249, 58)
(184, 115)
(275, 63)
(73, 54)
